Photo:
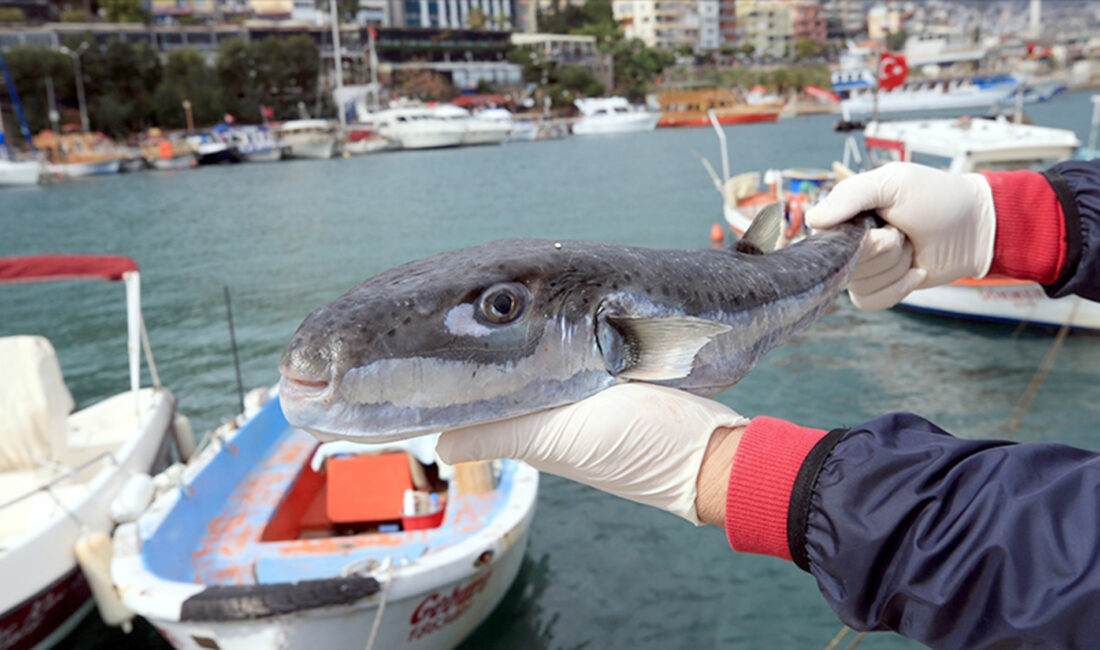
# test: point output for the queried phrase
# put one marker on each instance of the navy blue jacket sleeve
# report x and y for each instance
(955, 543)
(1077, 186)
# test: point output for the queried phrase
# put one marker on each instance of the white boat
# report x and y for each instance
(857, 93)
(254, 143)
(795, 189)
(271, 540)
(309, 138)
(361, 139)
(61, 470)
(416, 127)
(518, 130)
(477, 131)
(600, 115)
(20, 172)
(970, 145)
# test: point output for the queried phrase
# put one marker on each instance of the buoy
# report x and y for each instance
(717, 234)
(183, 436)
(93, 553)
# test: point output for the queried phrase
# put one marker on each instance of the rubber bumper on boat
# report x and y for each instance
(241, 602)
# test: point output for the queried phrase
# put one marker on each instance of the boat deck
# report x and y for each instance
(230, 549)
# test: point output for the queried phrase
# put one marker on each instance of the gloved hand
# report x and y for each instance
(942, 227)
(637, 441)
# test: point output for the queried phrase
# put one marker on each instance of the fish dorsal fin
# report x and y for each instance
(763, 235)
(654, 349)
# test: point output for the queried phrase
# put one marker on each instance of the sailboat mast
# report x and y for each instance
(338, 65)
(23, 126)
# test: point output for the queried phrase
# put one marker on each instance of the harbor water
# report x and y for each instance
(599, 572)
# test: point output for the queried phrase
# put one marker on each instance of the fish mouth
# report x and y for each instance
(294, 388)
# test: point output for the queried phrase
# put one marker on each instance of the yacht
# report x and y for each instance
(478, 131)
(417, 128)
(309, 138)
(611, 115)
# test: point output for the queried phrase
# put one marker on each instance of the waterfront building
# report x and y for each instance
(727, 22)
(453, 14)
(572, 50)
(882, 20)
(767, 25)
(672, 24)
(807, 22)
(843, 19)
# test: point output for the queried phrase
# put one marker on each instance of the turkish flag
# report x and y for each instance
(891, 70)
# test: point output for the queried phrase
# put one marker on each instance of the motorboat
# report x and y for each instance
(211, 148)
(75, 155)
(477, 131)
(61, 470)
(269, 539)
(857, 88)
(20, 172)
(603, 115)
(252, 143)
(362, 139)
(416, 127)
(795, 189)
(693, 108)
(309, 138)
(167, 153)
(966, 145)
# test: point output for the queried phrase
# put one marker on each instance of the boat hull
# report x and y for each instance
(316, 149)
(623, 123)
(177, 162)
(36, 566)
(1006, 301)
(189, 563)
(730, 118)
(81, 170)
(438, 618)
(13, 173)
(46, 617)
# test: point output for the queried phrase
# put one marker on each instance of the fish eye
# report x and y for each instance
(502, 303)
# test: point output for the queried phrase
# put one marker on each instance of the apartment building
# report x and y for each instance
(767, 25)
(672, 24)
(807, 21)
(453, 14)
(727, 22)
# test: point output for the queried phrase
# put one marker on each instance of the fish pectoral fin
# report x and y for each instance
(763, 235)
(657, 349)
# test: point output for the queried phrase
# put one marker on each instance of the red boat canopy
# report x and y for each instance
(821, 93)
(49, 268)
(481, 100)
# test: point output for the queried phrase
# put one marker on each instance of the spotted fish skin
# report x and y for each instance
(422, 347)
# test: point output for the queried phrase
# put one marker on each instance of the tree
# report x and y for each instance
(125, 11)
(636, 66)
(475, 18)
(896, 40)
(805, 48)
(12, 15)
(748, 49)
(424, 84)
(186, 76)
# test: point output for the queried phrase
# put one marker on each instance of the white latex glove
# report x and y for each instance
(942, 227)
(637, 441)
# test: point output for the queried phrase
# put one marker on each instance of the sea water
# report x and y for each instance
(599, 572)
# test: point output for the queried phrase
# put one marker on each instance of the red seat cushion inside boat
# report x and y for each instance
(367, 488)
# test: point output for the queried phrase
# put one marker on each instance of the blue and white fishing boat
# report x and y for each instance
(269, 539)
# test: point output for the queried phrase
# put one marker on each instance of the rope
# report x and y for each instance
(381, 605)
(149, 355)
(1008, 428)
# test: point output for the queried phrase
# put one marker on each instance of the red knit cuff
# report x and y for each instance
(764, 469)
(1031, 229)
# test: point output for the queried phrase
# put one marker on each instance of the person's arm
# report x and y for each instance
(943, 226)
(1048, 227)
(954, 543)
